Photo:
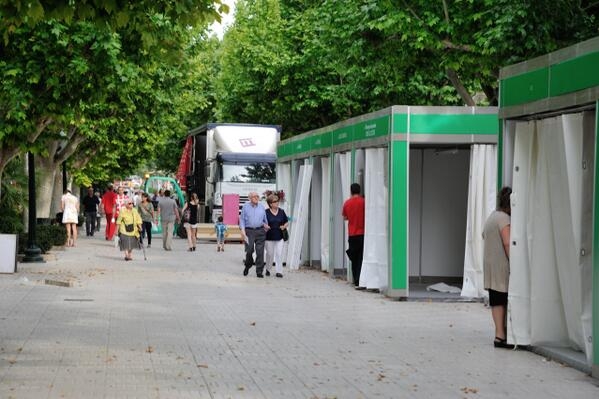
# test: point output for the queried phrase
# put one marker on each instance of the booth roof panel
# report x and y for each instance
(374, 128)
(525, 88)
(378, 127)
(343, 135)
(454, 124)
(563, 79)
(573, 75)
(321, 140)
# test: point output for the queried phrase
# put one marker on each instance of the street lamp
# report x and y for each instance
(33, 253)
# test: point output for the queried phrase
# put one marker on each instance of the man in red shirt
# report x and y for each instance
(353, 212)
(109, 202)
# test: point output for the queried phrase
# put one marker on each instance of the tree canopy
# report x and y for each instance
(112, 85)
(305, 64)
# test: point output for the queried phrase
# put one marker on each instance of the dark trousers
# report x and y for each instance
(355, 253)
(256, 239)
(146, 229)
(90, 223)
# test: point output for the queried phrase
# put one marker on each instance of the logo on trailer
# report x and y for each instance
(249, 142)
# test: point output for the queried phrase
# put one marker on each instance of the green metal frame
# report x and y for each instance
(595, 366)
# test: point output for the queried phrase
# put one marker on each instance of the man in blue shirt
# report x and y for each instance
(253, 226)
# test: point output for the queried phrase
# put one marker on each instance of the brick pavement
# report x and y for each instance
(189, 325)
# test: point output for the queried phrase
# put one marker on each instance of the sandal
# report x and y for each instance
(502, 343)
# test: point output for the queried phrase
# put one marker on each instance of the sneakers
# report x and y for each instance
(267, 273)
(279, 275)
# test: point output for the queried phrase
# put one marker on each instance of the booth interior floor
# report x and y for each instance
(418, 293)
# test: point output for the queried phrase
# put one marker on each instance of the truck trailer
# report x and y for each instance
(228, 158)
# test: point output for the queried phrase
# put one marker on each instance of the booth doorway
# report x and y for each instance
(438, 202)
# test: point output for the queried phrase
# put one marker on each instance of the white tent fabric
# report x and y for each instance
(284, 183)
(481, 202)
(284, 177)
(325, 213)
(374, 273)
(519, 287)
(300, 217)
(554, 226)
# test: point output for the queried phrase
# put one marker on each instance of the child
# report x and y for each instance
(220, 229)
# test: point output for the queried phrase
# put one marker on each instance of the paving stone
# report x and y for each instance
(190, 325)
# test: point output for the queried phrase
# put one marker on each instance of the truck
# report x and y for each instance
(228, 158)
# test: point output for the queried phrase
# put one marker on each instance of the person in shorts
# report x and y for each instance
(220, 228)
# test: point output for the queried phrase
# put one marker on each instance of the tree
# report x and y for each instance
(109, 82)
(306, 64)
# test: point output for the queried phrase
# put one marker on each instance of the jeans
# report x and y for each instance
(90, 223)
(146, 229)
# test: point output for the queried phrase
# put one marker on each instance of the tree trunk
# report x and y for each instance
(457, 83)
(57, 194)
(45, 174)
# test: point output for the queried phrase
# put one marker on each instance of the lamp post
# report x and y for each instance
(33, 253)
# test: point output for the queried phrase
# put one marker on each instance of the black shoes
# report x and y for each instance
(246, 270)
(267, 273)
(502, 343)
(260, 275)
(279, 275)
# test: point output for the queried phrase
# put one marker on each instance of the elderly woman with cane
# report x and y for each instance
(129, 224)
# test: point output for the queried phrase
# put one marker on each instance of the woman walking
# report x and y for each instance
(146, 211)
(69, 205)
(191, 211)
(129, 225)
(278, 221)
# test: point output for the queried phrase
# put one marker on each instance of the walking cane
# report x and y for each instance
(143, 249)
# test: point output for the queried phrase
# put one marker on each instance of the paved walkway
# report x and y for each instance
(189, 325)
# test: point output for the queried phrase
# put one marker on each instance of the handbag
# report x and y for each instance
(285, 234)
(129, 228)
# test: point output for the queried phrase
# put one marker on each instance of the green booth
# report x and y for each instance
(429, 177)
(548, 145)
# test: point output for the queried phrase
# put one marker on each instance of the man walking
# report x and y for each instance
(353, 212)
(253, 226)
(169, 214)
(90, 208)
(109, 203)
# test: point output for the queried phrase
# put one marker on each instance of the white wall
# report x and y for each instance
(444, 199)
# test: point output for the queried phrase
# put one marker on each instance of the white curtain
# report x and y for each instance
(481, 202)
(300, 217)
(325, 213)
(374, 273)
(284, 183)
(519, 287)
(554, 226)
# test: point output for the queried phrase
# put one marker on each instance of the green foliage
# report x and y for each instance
(14, 198)
(142, 18)
(306, 64)
(118, 78)
(46, 236)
